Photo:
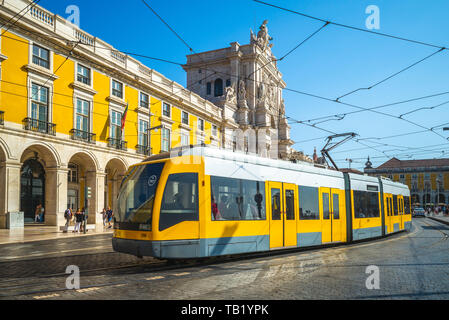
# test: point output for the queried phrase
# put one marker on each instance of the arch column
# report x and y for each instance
(55, 196)
(9, 189)
(95, 180)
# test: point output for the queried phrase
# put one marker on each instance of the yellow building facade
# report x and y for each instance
(75, 113)
(428, 179)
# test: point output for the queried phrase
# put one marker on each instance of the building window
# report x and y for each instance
(117, 89)
(228, 82)
(185, 117)
(427, 176)
(83, 74)
(165, 136)
(39, 104)
(144, 100)
(166, 110)
(209, 88)
(116, 125)
(201, 124)
(73, 173)
(41, 56)
(214, 130)
(218, 87)
(185, 139)
(82, 115)
(143, 133)
(199, 139)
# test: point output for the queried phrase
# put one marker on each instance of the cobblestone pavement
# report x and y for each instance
(411, 265)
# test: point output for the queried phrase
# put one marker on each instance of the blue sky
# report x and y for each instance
(332, 63)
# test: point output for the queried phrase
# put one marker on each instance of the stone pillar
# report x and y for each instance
(55, 196)
(9, 190)
(99, 200)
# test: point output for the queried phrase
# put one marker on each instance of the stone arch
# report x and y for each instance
(82, 174)
(115, 171)
(47, 154)
(5, 152)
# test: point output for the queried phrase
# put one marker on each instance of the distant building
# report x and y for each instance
(428, 179)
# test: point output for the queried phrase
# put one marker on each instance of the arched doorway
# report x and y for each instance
(115, 171)
(32, 189)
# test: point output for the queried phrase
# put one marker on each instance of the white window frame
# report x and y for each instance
(30, 56)
(117, 110)
(140, 100)
(41, 81)
(77, 94)
(185, 133)
(91, 75)
(169, 109)
(162, 139)
(123, 89)
(182, 118)
(198, 124)
(139, 119)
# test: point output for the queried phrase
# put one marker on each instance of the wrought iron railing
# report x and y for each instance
(39, 126)
(145, 150)
(117, 144)
(83, 136)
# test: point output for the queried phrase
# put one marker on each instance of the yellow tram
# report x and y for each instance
(201, 201)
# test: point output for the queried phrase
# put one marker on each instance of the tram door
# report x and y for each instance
(401, 212)
(283, 200)
(331, 224)
(389, 212)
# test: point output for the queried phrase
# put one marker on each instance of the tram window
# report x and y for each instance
(336, 206)
(326, 212)
(137, 191)
(366, 204)
(395, 205)
(180, 200)
(290, 204)
(308, 203)
(237, 199)
(253, 202)
(275, 204)
(407, 205)
(388, 206)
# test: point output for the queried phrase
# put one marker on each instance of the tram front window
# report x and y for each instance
(137, 192)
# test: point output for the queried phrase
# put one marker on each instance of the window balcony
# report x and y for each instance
(39, 126)
(145, 150)
(2, 119)
(117, 144)
(80, 135)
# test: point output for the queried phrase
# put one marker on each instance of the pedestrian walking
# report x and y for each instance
(85, 216)
(104, 215)
(67, 216)
(110, 214)
(37, 213)
(78, 220)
